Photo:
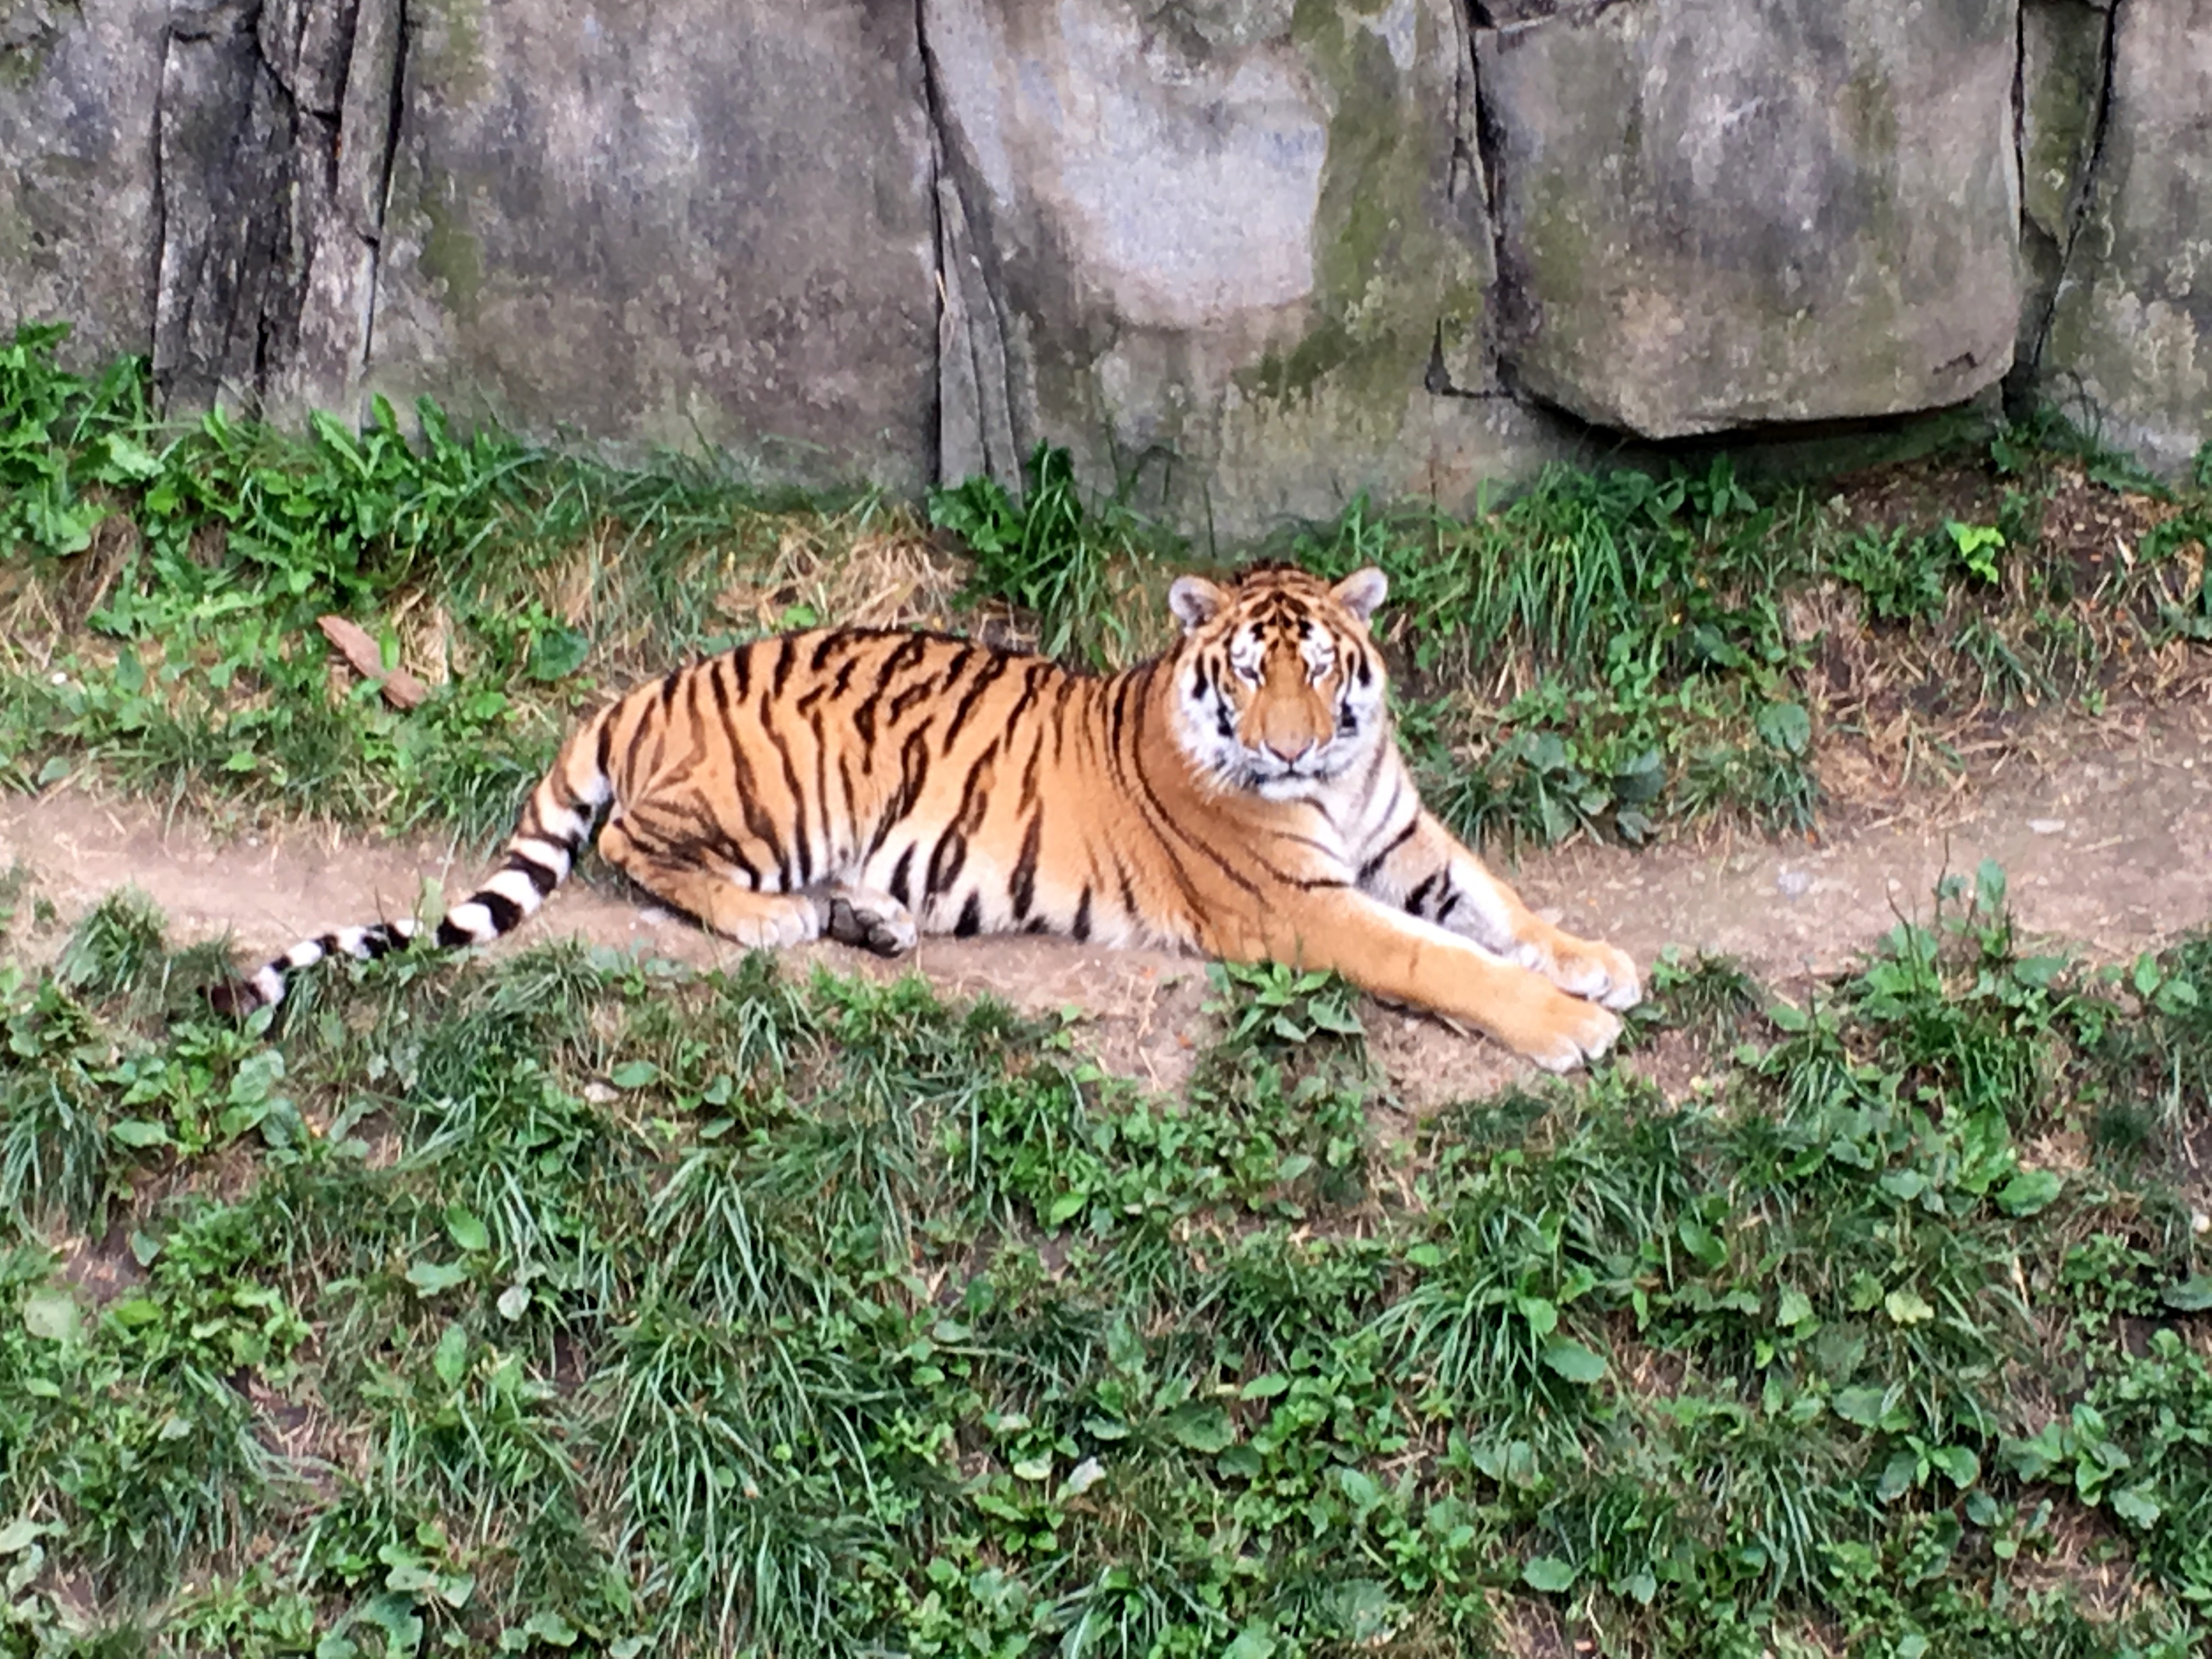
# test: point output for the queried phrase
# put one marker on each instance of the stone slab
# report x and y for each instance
(669, 222)
(2130, 349)
(1719, 212)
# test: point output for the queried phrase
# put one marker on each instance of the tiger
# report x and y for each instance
(1241, 795)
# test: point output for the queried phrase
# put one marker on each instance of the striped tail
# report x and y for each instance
(553, 825)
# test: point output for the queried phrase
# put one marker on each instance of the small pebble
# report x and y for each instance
(1793, 884)
(2046, 826)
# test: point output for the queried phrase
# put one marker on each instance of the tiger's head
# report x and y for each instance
(1278, 687)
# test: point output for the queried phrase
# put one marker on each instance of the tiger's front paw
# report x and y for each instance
(1567, 1031)
(1585, 968)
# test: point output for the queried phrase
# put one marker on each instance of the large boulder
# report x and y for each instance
(669, 222)
(2131, 333)
(1720, 213)
(1234, 253)
(80, 87)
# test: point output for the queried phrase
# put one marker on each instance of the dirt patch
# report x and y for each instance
(2107, 844)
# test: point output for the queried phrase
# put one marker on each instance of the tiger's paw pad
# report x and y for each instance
(870, 920)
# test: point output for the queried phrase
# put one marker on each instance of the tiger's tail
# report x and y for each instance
(551, 829)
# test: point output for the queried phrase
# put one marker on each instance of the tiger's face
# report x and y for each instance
(1279, 690)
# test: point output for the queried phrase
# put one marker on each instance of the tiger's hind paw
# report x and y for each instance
(871, 921)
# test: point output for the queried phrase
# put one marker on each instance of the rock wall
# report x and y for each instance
(1245, 257)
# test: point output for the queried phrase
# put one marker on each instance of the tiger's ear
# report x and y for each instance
(1196, 601)
(1362, 592)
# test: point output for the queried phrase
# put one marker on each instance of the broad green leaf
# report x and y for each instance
(1201, 1428)
(1863, 1406)
(2029, 1191)
(431, 1277)
(52, 1314)
(466, 1232)
(1907, 1307)
(1574, 1362)
(450, 1358)
(2192, 1295)
(1549, 1574)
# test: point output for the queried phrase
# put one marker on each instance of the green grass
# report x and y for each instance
(578, 1303)
(1615, 654)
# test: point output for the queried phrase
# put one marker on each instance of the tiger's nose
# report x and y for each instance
(1289, 754)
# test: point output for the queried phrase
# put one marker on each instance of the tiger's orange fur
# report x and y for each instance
(1241, 795)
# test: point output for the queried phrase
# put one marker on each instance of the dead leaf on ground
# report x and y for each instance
(401, 689)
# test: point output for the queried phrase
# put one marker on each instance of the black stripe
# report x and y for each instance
(668, 689)
(1118, 709)
(1082, 928)
(971, 917)
(1373, 866)
(757, 822)
(1419, 895)
(1060, 716)
(801, 842)
(630, 766)
(787, 657)
(541, 877)
(914, 694)
(506, 913)
(721, 690)
(1030, 773)
(822, 795)
(1023, 888)
(914, 772)
(900, 872)
(961, 657)
(992, 671)
(944, 861)
(1450, 904)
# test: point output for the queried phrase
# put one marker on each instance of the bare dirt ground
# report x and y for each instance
(2106, 835)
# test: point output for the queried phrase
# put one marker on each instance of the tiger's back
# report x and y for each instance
(961, 781)
(1241, 794)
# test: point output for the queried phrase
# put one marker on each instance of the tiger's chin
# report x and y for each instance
(1289, 786)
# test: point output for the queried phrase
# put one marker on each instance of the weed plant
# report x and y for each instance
(576, 1303)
